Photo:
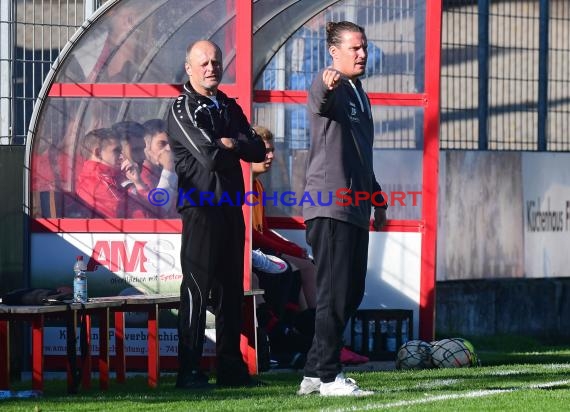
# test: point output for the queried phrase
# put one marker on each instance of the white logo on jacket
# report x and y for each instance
(352, 115)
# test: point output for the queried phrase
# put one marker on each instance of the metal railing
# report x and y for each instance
(505, 78)
(32, 33)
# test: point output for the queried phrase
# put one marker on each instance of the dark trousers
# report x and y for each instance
(212, 265)
(340, 251)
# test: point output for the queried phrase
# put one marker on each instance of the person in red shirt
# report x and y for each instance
(43, 181)
(99, 183)
(51, 171)
(132, 137)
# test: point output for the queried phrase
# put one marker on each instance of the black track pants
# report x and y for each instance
(340, 251)
(212, 265)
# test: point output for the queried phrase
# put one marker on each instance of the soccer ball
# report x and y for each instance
(414, 354)
(453, 353)
(475, 361)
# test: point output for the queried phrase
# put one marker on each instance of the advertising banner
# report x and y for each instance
(136, 342)
(546, 199)
(118, 264)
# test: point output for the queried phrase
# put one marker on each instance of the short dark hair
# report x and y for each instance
(334, 29)
(153, 127)
(128, 130)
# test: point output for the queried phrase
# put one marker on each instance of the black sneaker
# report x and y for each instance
(192, 380)
(298, 361)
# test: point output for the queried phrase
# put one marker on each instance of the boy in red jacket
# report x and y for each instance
(99, 183)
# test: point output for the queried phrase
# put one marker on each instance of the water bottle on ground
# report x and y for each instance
(80, 281)
(371, 337)
(405, 331)
(391, 338)
(357, 337)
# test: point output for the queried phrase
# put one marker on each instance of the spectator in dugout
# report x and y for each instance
(158, 167)
(99, 185)
(131, 135)
(146, 146)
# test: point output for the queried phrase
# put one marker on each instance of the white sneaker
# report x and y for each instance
(267, 263)
(309, 385)
(342, 386)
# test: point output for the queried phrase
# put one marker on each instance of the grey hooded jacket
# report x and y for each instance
(339, 167)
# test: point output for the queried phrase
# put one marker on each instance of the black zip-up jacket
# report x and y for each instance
(209, 174)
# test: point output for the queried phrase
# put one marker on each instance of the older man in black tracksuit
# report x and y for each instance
(340, 161)
(209, 134)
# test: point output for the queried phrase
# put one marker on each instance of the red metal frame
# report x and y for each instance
(37, 356)
(114, 90)
(244, 80)
(300, 97)
(430, 168)
(125, 90)
(57, 225)
(297, 223)
(45, 225)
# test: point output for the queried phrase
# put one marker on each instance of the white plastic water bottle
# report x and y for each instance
(357, 337)
(404, 331)
(391, 338)
(371, 331)
(80, 281)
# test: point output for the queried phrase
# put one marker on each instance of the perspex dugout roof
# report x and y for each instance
(130, 43)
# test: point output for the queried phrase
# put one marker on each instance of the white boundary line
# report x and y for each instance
(466, 395)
